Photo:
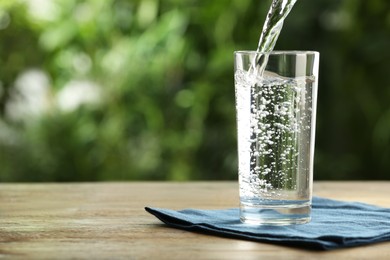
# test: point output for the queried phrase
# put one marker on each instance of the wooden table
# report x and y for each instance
(108, 221)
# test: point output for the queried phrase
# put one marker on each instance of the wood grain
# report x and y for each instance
(108, 221)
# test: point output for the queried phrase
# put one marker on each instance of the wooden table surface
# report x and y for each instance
(108, 221)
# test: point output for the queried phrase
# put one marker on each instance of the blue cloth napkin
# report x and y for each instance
(335, 224)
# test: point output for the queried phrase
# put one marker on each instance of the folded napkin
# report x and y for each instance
(335, 224)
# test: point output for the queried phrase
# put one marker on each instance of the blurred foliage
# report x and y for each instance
(143, 89)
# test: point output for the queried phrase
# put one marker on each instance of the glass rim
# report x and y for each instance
(278, 52)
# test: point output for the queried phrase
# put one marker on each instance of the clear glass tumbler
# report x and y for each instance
(276, 96)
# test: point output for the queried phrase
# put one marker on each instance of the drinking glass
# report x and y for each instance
(276, 96)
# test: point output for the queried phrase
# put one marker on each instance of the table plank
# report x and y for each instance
(108, 221)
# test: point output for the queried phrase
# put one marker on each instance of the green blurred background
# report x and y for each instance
(143, 89)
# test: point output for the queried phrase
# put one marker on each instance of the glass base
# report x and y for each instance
(277, 215)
